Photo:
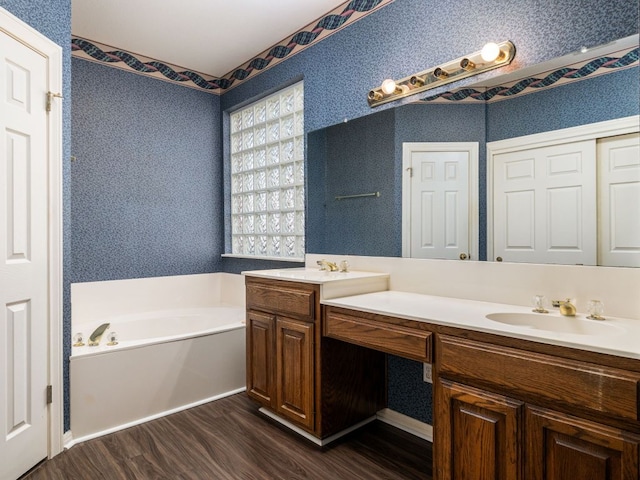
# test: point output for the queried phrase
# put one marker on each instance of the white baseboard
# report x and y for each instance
(408, 424)
(69, 441)
(318, 441)
(391, 417)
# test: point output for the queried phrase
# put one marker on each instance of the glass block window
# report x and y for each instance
(267, 176)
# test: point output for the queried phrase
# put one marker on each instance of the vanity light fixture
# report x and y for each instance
(492, 55)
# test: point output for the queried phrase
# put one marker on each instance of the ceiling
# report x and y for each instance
(207, 36)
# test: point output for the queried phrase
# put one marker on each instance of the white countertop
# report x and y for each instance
(622, 337)
(313, 275)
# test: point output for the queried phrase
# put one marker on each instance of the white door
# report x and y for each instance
(23, 258)
(619, 201)
(438, 199)
(544, 204)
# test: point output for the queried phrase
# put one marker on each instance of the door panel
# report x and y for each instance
(23, 258)
(561, 447)
(619, 194)
(260, 357)
(544, 204)
(437, 217)
(294, 370)
(476, 437)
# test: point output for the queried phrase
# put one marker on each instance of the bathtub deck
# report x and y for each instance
(228, 439)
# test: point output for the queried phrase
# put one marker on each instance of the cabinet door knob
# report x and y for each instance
(498, 259)
(463, 256)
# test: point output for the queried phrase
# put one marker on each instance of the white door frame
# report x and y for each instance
(16, 28)
(609, 128)
(474, 216)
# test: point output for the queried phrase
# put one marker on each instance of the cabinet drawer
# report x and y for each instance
(394, 339)
(571, 383)
(283, 298)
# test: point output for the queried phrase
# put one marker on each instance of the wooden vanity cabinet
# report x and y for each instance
(280, 362)
(318, 384)
(280, 356)
(507, 413)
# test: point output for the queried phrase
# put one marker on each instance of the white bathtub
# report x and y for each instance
(165, 360)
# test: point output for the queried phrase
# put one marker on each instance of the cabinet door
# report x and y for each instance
(561, 447)
(476, 434)
(294, 371)
(260, 357)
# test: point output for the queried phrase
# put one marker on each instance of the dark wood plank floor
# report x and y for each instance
(230, 439)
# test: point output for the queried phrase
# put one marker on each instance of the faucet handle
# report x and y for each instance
(595, 309)
(78, 340)
(539, 304)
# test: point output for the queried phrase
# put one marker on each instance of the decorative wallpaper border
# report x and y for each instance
(113, 57)
(552, 78)
(336, 20)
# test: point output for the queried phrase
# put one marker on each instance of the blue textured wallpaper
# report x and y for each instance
(407, 393)
(408, 36)
(52, 18)
(147, 182)
(597, 99)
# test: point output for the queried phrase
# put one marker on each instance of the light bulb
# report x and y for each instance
(388, 86)
(490, 52)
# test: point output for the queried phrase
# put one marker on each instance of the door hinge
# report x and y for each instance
(49, 394)
(410, 170)
(50, 97)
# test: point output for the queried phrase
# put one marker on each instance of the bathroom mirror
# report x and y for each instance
(363, 157)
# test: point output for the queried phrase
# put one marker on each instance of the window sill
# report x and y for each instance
(258, 257)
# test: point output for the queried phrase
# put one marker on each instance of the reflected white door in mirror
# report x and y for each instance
(544, 204)
(571, 196)
(619, 200)
(439, 200)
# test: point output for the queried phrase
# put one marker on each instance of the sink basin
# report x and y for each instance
(555, 323)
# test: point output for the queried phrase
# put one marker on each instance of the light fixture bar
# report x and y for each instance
(491, 56)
